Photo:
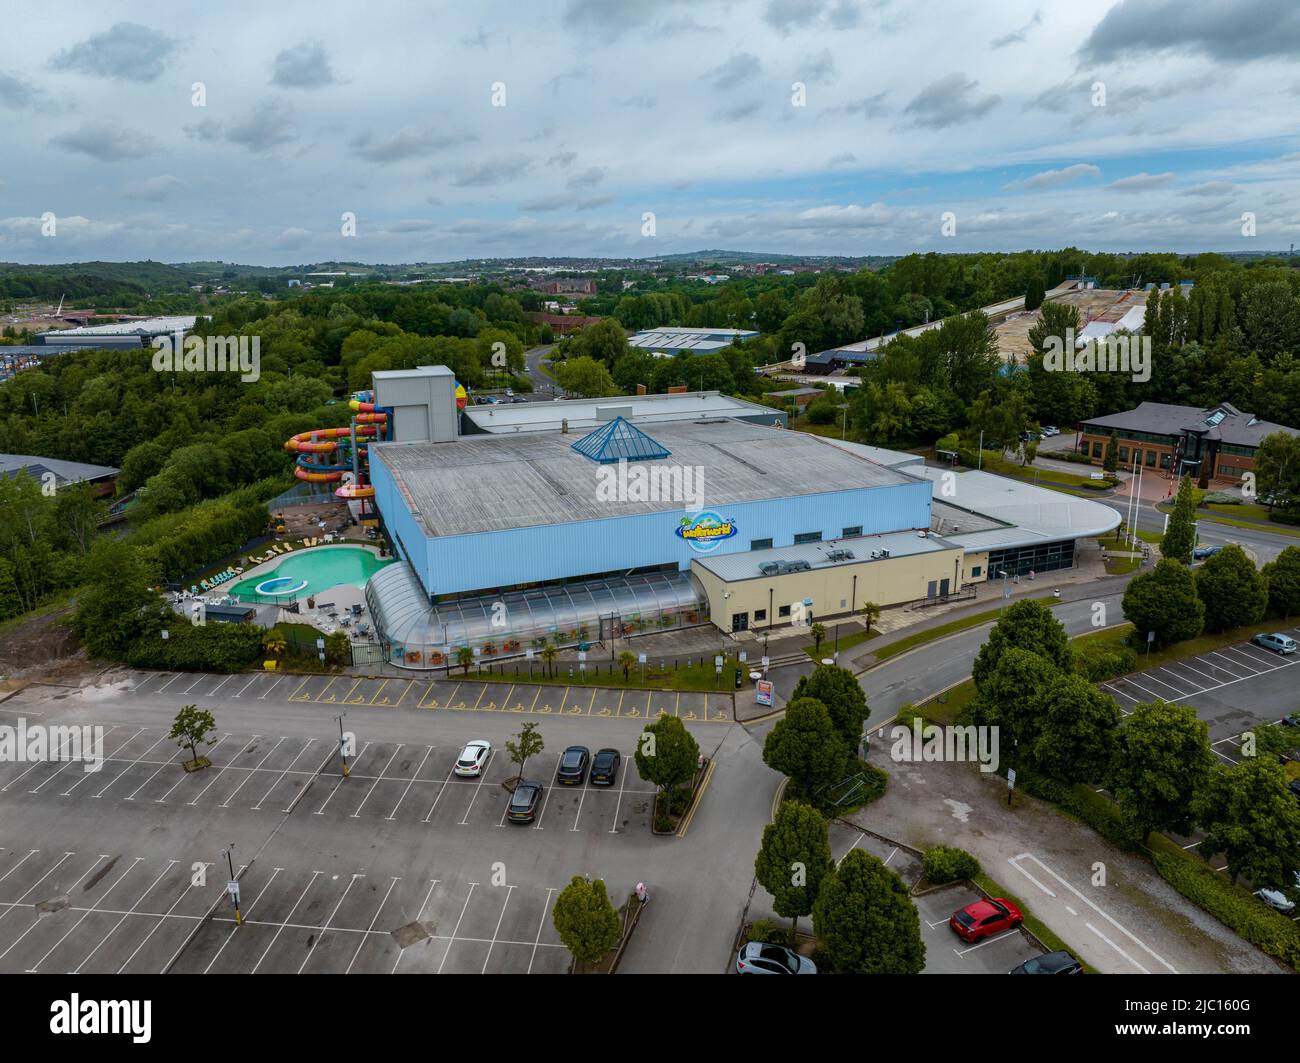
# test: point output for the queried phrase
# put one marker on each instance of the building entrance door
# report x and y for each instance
(739, 621)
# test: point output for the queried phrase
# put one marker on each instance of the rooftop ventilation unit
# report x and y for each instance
(770, 568)
(839, 555)
(875, 554)
(884, 554)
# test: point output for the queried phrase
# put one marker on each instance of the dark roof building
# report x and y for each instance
(1219, 440)
(64, 472)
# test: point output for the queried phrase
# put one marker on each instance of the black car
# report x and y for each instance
(604, 767)
(524, 802)
(1294, 787)
(1291, 721)
(1051, 963)
(573, 766)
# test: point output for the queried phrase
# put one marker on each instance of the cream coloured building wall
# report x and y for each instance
(891, 581)
(971, 563)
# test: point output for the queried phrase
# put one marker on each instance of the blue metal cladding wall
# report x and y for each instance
(408, 538)
(500, 559)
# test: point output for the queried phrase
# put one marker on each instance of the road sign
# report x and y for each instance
(744, 656)
(640, 658)
(582, 655)
(717, 662)
(766, 660)
(528, 654)
(1011, 778)
(232, 888)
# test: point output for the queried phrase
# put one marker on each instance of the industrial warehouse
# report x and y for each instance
(646, 523)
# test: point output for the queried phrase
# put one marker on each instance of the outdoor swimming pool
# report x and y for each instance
(310, 571)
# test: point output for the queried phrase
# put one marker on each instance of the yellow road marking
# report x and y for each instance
(321, 699)
(294, 695)
(591, 702)
(677, 705)
(348, 699)
(535, 697)
(433, 704)
(375, 699)
(480, 696)
(403, 694)
(681, 831)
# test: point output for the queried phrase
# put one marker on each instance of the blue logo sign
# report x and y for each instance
(706, 531)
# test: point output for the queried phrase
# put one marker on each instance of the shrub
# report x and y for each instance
(1231, 905)
(1222, 498)
(768, 932)
(1080, 801)
(945, 864)
(1098, 660)
(210, 648)
(663, 822)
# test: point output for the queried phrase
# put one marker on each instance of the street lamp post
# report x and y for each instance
(343, 749)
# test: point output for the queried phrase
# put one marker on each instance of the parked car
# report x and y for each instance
(1050, 963)
(604, 767)
(1276, 899)
(510, 393)
(1050, 430)
(757, 957)
(524, 802)
(1202, 552)
(981, 919)
(573, 766)
(1294, 787)
(1277, 642)
(473, 758)
(1293, 720)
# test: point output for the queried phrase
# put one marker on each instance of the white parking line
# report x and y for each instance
(418, 916)
(1252, 668)
(1203, 675)
(321, 811)
(286, 771)
(547, 798)
(481, 776)
(86, 914)
(38, 921)
(245, 686)
(1116, 948)
(442, 790)
(371, 927)
(197, 926)
(27, 892)
(213, 691)
(1196, 687)
(64, 746)
(497, 931)
(452, 940)
(169, 682)
(310, 883)
(540, 926)
(195, 798)
(249, 775)
(108, 758)
(249, 911)
(357, 813)
(1015, 862)
(1132, 682)
(316, 938)
(137, 760)
(278, 680)
(582, 797)
(189, 775)
(30, 853)
(622, 783)
(427, 751)
(195, 683)
(1014, 932)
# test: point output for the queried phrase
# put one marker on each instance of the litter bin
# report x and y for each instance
(739, 677)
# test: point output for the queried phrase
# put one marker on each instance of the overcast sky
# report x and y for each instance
(681, 108)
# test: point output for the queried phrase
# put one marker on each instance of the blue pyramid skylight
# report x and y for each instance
(619, 441)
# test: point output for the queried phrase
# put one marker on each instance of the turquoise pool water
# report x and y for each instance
(310, 571)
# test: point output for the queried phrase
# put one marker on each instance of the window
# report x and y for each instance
(807, 537)
(1164, 461)
(850, 533)
(760, 615)
(1096, 450)
(975, 571)
(1123, 453)
(1151, 457)
(783, 610)
(760, 544)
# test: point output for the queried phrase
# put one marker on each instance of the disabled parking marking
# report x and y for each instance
(420, 702)
(375, 700)
(402, 696)
(321, 699)
(295, 695)
(482, 691)
(348, 699)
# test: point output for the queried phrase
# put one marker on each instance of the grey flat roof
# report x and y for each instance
(1021, 514)
(147, 327)
(65, 471)
(583, 414)
(1162, 418)
(499, 482)
(732, 567)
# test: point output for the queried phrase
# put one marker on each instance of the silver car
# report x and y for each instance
(1276, 899)
(757, 957)
(1277, 642)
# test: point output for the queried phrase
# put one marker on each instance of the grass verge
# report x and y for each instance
(846, 642)
(920, 638)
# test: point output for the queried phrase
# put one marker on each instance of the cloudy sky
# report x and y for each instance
(244, 131)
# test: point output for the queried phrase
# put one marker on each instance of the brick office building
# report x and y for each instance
(1180, 439)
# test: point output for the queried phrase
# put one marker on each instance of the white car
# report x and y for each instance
(1051, 430)
(473, 758)
(1276, 899)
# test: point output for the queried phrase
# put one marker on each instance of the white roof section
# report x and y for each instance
(745, 565)
(1032, 514)
(153, 326)
(680, 338)
(592, 413)
(891, 459)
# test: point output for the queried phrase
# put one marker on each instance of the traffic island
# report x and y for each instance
(629, 916)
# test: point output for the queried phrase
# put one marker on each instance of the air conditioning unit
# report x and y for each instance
(875, 554)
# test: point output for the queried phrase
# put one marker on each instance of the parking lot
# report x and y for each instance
(274, 775)
(67, 911)
(1234, 689)
(440, 694)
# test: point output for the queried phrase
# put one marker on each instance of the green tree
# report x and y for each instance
(338, 649)
(1164, 600)
(1248, 815)
(870, 613)
(1162, 760)
(1277, 466)
(1034, 293)
(586, 377)
(1234, 592)
(839, 690)
(604, 341)
(667, 753)
(549, 653)
(626, 660)
(1008, 699)
(1076, 733)
(865, 921)
(1282, 576)
(793, 860)
(191, 728)
(806, 746)
(1180, 535)
(464, 657)
(585, 919)
(1110, 456)
(525, 745)
(117, 605)
(818, 632)
(1027, 625)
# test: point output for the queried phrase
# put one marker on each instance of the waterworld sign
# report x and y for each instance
(706, 531)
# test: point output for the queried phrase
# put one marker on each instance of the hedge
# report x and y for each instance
(1098, 660)
(1092, 808)
(212, 647)
(1233, 906)
(945, 864)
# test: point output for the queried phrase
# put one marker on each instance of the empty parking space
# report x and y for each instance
(946, 953)
(444, 694)
(71, 912)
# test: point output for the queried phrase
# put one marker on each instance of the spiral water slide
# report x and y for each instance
(325, 454)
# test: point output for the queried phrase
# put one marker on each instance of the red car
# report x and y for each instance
(983, 919)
